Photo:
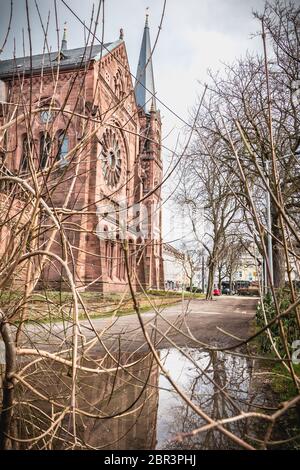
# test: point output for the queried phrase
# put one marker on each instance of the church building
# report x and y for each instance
(87, 139)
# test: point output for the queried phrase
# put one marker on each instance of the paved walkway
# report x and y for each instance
(216, 322)
(211, 322)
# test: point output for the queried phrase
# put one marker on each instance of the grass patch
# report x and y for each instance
(170, 293)
(282, 383)
(53, 306)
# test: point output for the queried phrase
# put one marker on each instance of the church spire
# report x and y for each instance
(64, 44)
(144, 85)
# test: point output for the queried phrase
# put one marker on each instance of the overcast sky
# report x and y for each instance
(196, 35)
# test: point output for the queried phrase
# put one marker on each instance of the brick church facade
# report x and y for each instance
(94, 140)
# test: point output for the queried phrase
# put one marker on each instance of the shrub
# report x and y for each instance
(289, 323)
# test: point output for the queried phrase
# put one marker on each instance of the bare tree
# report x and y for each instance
(242, 94)
(203, 187)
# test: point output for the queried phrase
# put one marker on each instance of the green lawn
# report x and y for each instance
(54, 306)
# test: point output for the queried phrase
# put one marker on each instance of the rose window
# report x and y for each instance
(111, 158)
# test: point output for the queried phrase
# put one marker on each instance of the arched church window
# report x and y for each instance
(111, 259)
(45, 149)
(131, 256)
(118, 257)
(147, 145)
(63, 147)
(106, 247)
(122, 263)
(46, 114)
(26, 149)
(139, 250)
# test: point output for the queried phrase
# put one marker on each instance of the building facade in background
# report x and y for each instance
(176, 269)
(246, 269)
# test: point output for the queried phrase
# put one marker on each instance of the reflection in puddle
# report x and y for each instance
(215, 373)
(135, 407)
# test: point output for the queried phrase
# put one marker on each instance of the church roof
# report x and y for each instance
(70, 58)
(144, 85)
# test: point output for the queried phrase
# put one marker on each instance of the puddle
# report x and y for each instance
(135, 407)
(204, 378)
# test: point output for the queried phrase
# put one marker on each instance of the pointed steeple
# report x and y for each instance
(144, 85)
(152, 108)
(64, 44)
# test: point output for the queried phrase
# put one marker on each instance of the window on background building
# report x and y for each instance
(45, 148)
(63, 148)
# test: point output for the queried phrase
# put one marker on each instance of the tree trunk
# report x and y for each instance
(278, 251)
(210, 283)
(230, 281)
(278, 265)
(6, 416)
(191, 283)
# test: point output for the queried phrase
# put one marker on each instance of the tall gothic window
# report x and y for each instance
(131, 256)
(26, 147)
(63, 148)
(122, 263)
(45, 148)
(109, 253)
(118, 257)
(147, 145)
(111, 249)
(106, 248)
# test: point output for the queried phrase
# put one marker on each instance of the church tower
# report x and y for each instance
(151, 169)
